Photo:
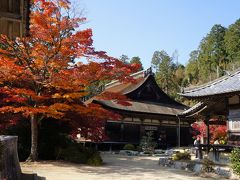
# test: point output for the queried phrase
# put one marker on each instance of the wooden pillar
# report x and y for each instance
(179, 131)
(122, 131)
(110, 147)
(208, 133)
(96, 146)
(142, 130)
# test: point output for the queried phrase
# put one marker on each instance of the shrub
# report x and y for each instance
(53, 134)
(147, 144)
(130, 147)
(181, 156)
(78, 154)
(235, 160)
(22, 130)
(73, 153)
(207, 165)
(95, 160)
(138, 148)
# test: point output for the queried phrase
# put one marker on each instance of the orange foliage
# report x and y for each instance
(39, 75)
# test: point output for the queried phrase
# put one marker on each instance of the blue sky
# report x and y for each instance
(140, 27)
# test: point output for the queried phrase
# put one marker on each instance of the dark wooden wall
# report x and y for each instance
(14, 17)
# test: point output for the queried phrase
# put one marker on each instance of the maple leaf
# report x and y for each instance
(217, 132)
(39, 77)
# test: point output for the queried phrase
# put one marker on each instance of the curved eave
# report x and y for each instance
(210, 95)
(139, 111)
(195, 110)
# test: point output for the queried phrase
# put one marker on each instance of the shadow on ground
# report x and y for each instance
(123, 166)
(25, 176)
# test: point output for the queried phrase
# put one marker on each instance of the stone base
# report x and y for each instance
(29, 177)
(9, 164)
(197, 167)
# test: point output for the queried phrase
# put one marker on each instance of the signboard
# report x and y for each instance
(233, 100)
(151, 128)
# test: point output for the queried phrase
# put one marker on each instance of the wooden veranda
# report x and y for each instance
(217, 100)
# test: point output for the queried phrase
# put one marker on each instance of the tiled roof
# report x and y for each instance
(161, 105)
(124, 88)
(224, 85)
(143, 107)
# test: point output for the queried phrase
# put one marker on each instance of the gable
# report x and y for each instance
(149, 91)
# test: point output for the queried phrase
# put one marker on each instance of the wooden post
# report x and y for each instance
(110, 148)
(142, 130)
(179, 132)
(208, 133)
(122, 131)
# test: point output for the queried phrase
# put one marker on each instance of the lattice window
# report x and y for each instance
(234, 119)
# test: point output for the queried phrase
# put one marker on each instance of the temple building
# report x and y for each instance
(218, 100)
(14, 17)
(151, 110)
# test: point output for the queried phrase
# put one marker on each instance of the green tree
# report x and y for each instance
(178, 81)
(147, 143)
(235, 160)
(124, 58)
(192, 68)
(169, 75)
(232, 43)
(212, 54)
(156, 60)
(175, 57)
(179, 74)
(136, 60)
(217, 47)
(165, 71)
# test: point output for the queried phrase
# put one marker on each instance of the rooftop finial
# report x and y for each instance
(148, 72)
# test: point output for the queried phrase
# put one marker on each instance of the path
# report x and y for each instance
(116, 168)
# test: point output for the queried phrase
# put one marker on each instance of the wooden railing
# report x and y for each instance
(216, 148)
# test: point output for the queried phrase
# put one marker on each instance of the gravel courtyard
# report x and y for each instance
(115, 167)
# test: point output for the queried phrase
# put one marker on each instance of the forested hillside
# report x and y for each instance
(217, 53)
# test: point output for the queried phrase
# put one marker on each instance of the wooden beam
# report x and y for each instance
(11, 16)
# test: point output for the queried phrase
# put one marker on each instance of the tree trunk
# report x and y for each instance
(218, 75)
(34, 139)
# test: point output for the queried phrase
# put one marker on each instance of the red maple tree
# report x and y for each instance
(199, 129)
(217, 132)
(39, 76)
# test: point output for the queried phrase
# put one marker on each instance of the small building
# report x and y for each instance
(151, 110)
(218, 99)
(14, 17)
